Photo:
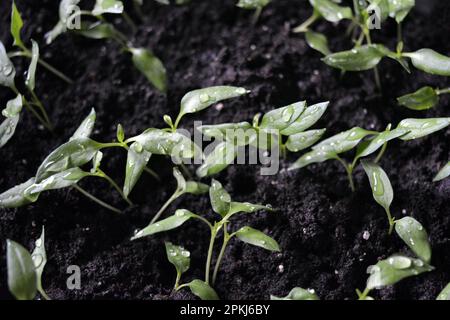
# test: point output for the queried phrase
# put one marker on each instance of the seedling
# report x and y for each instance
(367, 142)
(298, 294)
(284, 127)
(423, 99)
(257, 5)
(25, 269)
(398, 267)
(443, 173)
(226, 208)
(365, 55)
(143, 59)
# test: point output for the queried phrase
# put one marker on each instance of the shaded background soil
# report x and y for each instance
(319, 223)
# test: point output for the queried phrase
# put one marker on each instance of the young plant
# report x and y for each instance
(283, 128)
(365, 55)
(226, 208)
(298, 294)
(367, 143)
(398, 267)
(443, 173)
(423, 99)
(25, 270)
(69, 20)
(257, 5)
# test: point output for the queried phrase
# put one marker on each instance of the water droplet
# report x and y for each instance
(38, 243)
(280, 268)
(7, 70)
(37, 260)
(204, 98)
(400, 262)
(185, 253)
(378, 187)
(366, 235)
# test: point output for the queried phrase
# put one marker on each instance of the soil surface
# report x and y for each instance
(319, 222)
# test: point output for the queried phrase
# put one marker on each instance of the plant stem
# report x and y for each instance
(363, 295)
(256, 15)
(399, 33)
(55, 71)
(177, 281)
(39, 104)
(226, 238)
(152, 173)
(443, 91)
(172, 198)
(130, 21)
(95, 199)
(349, 170)
(304, 26)
(375, 70)
(103, 175)
(210, 251)
(381, 153)
(391, 220)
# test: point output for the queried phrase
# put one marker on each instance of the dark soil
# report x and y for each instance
(319, 223)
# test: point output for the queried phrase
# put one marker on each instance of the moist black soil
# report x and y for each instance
(319, 222)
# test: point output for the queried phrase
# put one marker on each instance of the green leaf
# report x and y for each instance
(314, 156)
(445, 294)
(238, 134)
(307, 119)
(303, 140)
(298, 294)
(150, 66)
(220, 198)
(367, 148)
(247, 207)
(443, 173)
(98, 30)
(197, 100)
(257, 238)
(393, 269)
(86, 127)
(202, 290)
(16, 25)
(343, 141)
(399, 9)
(178, 256)
(181, 181)
(39, 257)
(252, 4)
(330, 11)
(196, 188)
(423, 99)
(414, 235)
(30, 81)
(7, 71)
(72, 154)
(419, 128)
(430, 61)
(21, 271)
(318, 42)
(137, 160)
(172, 222)
(57, 30)
(282, 118)
(107, 6)
(120, 133)
(383, 7)
(362, 58)
(220, 158)
(12, 114)
(379, 181)
(96, 162)
(14, 197)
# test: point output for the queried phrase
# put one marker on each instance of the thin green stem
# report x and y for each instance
(152, 173)
(177, 122)
(399, 33)
(305, 25)
(391, 220)
(381, 153)
(185, 170)
(226, 238)
(130, 21)
(95, 199)
(41, 107)
(443, 91)
(256, 15)
(103, 175)
(363, 295)
(375, 70)
(177, 281)
(172, 198)
(349, 170)
(210, 252)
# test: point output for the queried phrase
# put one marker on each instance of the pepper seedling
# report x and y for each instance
(366, 55)
(226, 208)
(143, 59)
(283, 127)
(298, 294)
(367, 143)
(25, 270)
(398, 267)
(423, 99)
(257, 5)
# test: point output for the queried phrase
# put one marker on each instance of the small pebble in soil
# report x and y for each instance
(366, 235)
(336, 272)
(280, 268)
(219, 106)
(253, 47)
(404, 211)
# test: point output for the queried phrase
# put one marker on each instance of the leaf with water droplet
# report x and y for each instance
(151, 67)
(12, 114)
(331, 11)
(39, 257)
(307, 119)
(178, 256)
(7, 70)
(98, 30)
(202, 290)
(172, 222)
(430, 61)
(220, 198)
(298, 294)
(367, 148)
(14, 197)
(238, 134)
(314, 156)
(247, 207)
(196, 188)
(344, 141)
(219, 159)
(107, 6)
(282, 118)
(445, 293)
(86, 127)
(30, 80)
(318, 42)
(361, 58)
(399, 9)
(257, 238)
(415, 237)
(21, 271)
(16, 25)
(379, 181)
(419, 128)
(136, 163)
(443, 173)
(393, 269)
(303, 140)
(423, 99)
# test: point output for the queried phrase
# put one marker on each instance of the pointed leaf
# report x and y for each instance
(137, 160)
(282, 118)
(445, 294)
(7, 71)
(343, 141)
(107, 6)
(181, 181)
(298, 294)
(419, 128)
(303, 140)
(16, 25)
(86, 127)
(318, 42)
(430, 61)
(358, 59)
(443, 173)
(196, 188)
(220, 198)
(21, 271)
(314, 156)
(247, 207)
(98, 30)
(252, 4)
(307, 119)
(399, 9)
(30, 81)
(369, 147)
(415, 237)
(202, 290)
(14, 197)
(257, 238)
(151, 67)
(178, 256)
(219, 159)
(379, 181)
(423, 99)
(12, 114)
(330, 11)
(39, 257)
